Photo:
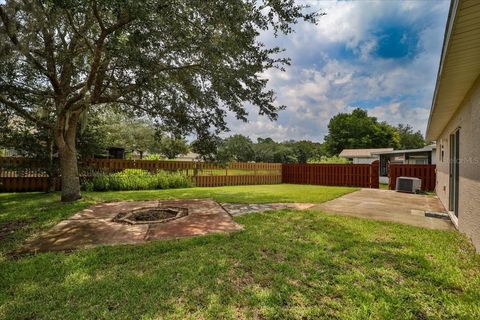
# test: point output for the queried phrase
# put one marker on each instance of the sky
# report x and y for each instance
(381, 56)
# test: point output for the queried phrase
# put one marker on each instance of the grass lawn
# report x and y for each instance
(40, 211)
(285, 264)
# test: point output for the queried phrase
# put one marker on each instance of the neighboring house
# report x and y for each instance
(362, 156)
(424, 155)
(455, 118)
(191, 156)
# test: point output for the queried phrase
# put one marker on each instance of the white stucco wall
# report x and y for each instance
(467, 118)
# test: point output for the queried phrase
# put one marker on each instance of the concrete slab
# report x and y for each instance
(109, 210)
(205, 216)
(72, 234)
(388, 205)
(95, 226)
(237, 209)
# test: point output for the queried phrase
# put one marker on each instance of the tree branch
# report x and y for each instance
(25, 51)
(97, 15)
(97, 57)
(187, 66)
(22, 112)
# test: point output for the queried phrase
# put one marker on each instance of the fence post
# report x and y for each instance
(374, 175)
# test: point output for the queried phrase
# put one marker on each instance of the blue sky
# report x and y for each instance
(379, 55)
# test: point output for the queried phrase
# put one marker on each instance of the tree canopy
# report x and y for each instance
(236, 148)
(171, 147)
(242, 149)
(185, 63)
(131, 133)
(358, 130)
(410, 139)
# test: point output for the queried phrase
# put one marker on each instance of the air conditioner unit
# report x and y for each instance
(408, 184)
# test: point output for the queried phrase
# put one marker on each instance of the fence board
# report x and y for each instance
(425, 172)
(218, 181)
(355, 175)
(358, 175)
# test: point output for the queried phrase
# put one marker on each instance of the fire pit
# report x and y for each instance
(150, 215)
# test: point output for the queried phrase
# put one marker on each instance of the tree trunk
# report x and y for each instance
(65, 139)
(69, 173)
(51, 173)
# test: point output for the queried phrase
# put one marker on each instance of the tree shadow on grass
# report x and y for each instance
(40, 210)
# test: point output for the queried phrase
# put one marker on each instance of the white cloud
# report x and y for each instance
(324, 80)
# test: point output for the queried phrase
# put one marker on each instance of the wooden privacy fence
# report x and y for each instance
(237, 180)
(20, 174)
(354, 175)
(426, 172)
(114, 165)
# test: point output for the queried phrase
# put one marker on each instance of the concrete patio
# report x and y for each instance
(388, 205)
(96, 226)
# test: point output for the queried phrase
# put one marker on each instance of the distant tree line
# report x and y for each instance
(100, 131)
(242, 149)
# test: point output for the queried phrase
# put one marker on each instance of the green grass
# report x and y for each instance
(383, 186)
(237, 194)
(45, 210)
(284, 265)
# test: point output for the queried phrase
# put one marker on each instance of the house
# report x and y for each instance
(455, 118)
(425, 155)
(362, 156)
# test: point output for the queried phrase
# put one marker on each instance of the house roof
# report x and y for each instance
(459, 64)
(424, 149)
(361, 153)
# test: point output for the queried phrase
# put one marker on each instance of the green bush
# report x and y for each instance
(333, 159)
(154, 156)
(137, 179)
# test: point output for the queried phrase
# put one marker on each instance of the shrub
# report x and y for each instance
(154, 156)
(333, 159)
(137, 179)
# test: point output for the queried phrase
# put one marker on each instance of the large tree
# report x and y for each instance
(236, 148)
(267, 150)
(171, 146)
(359, 130)
(305, 150)
(408, 138)
(130, 133)
(184, 62)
